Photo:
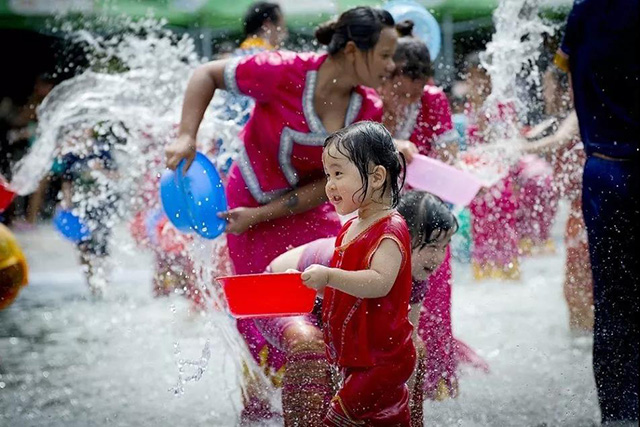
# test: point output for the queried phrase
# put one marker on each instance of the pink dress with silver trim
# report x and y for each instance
(282, 150)
(428, 124)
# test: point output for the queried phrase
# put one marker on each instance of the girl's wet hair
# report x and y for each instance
(368, 144)
(361, 25)
(427, 216)
(412, 56)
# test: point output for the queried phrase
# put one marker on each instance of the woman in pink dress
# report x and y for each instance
(417, 111)
(495, 240)
(276, 187)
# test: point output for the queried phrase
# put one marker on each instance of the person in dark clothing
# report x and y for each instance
(600, 49)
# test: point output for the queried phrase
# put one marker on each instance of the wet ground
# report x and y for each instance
(66, 360)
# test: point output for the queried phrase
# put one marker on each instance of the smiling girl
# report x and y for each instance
(367, 289)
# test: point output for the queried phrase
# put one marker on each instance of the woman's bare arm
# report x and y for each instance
(206, 79)
(567, 131)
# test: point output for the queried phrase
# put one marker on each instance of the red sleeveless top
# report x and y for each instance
(365, 332)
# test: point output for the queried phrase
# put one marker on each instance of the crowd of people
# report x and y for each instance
(318, 187)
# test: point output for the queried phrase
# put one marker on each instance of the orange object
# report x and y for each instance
(267, 295)
(13, 268)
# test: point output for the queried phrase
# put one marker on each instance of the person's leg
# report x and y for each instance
(435, 329)
(376, 396)
(578, 283)
(611, 205)
(306, 384)
(306, 387)
(416, 387)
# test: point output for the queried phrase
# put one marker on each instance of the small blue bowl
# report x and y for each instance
(193, 200)
(70, 226)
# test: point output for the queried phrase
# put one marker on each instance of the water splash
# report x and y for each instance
(128, 102)
(511, 59)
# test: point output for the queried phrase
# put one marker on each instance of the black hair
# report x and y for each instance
(259, 13)
(369, 143)
(412, 56)
(425, 214)
(361, 25)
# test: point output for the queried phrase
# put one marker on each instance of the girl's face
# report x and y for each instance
(344, 184)
(403, 89)
(373, 66)
(426, 260)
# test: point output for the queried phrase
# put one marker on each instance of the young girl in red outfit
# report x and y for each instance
(368, 286)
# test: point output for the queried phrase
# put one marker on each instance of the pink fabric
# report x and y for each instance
(283, 135)
(434, 328)
(537, 199)
(502, 114)
(495, 239)
(282, 83)
(317, 252)
(443, 352)
(434, 120)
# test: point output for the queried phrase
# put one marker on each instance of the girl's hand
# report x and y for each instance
(183, 148)
(407, 148)
(240, 219)
(316, 277)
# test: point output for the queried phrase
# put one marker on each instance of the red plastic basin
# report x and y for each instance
(267, 295)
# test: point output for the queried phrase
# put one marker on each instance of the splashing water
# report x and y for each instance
(132, 95)
(510, 60)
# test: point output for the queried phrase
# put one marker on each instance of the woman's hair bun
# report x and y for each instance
(405, 28)
(324, 32)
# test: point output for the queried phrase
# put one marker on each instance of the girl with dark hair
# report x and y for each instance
(415, 109)
(307, 387)
(366, 289)
(275, 189)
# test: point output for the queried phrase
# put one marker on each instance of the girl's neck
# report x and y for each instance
(334, 79)
(374, 210)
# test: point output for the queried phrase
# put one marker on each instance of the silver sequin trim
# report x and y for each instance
(411, 116)
(288, 138)
(230, 76)
(251, 180)
(313, 121)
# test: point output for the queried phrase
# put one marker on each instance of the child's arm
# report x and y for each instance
(67, 193)
(375, 282)
(287, 261)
